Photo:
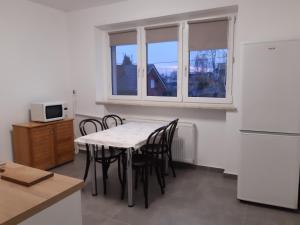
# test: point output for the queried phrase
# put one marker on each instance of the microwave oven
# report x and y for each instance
(47, 111)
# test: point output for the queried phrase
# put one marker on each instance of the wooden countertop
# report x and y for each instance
(39, 124)
(17, 203)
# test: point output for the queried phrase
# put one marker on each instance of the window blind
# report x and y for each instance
(161, 34)
(210, 34)
(123, 37)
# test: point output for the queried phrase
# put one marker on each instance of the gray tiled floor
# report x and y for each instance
(195, 197)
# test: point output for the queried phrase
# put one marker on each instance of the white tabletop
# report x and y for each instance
(129, 135)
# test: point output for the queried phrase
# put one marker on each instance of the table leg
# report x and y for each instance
(129, 178)
(93, 168)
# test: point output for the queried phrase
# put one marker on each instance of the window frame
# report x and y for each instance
(109, 70)
(178, 98)
(183, 64)
(230, 37)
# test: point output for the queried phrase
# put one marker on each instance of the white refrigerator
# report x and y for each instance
(270, 124)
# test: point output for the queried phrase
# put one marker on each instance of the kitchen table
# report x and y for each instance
(130, 136)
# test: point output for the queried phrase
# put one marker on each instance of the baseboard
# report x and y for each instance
(207, 168)
(269, 206)
(231, 176)
(212, 169)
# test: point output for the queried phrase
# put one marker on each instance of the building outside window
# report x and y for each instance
(162, 60)
(124, 63)
(208, 49)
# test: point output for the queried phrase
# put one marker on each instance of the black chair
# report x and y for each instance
(152, 154)
(169, 138)
(111, 120)
(103, 156)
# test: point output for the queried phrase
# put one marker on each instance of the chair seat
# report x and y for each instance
(111, 153)
(154, 148)
(138, 160)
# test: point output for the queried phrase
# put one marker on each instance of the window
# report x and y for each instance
(162, 60)
(208, 50)
(124, 63)
(186, 61)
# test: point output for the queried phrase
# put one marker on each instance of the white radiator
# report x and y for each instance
(184, 141)
(184, 144)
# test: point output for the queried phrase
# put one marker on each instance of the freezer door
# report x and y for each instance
(269, 171)
(271, 87)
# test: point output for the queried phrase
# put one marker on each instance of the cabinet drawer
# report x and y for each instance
(42, 147)
(64, 131)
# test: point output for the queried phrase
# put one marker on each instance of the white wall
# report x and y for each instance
(218, 135)
(34, 62)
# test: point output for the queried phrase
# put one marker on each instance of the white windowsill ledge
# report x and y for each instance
(192, 105)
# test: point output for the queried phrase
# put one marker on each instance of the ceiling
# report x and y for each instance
(70, 5)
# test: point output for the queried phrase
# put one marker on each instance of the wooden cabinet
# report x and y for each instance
(43, 145)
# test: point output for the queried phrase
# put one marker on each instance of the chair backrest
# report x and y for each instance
(111, 120)
(87, 126)
(170, 130)
(156, 142)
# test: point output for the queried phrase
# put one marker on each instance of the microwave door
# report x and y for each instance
(53, 112)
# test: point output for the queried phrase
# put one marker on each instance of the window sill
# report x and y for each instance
(216, 106)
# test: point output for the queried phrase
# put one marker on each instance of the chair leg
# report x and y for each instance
(163, 178)
(143, 175)
(104, 177)
(146, 187)
(136, 179)
(106, 171)
(162, 171)
(172, 167)
(158, 175)
(151, 165)
(95, 178)
(171, 163)
(119, 170)
(87, 165)
(124, 177)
